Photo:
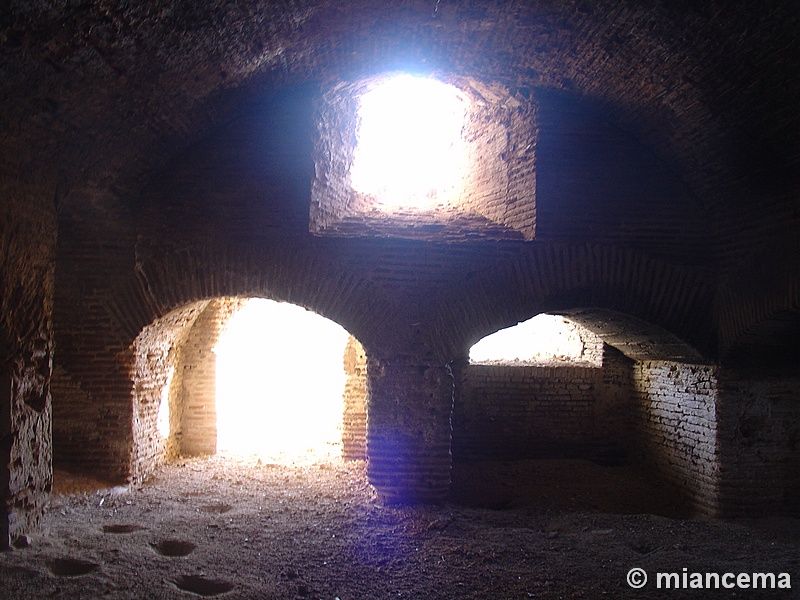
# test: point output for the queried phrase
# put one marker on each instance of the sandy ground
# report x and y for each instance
(248, 528)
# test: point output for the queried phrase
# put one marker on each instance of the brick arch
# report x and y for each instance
(156, 361)
(558, 278)
(174, 362)
(653, 401)
(181, 289)
(96, 372)
(108, 393)
(277, 272)
(635, 338)
(171, 360)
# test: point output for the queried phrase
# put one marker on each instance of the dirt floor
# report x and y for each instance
(248, 528)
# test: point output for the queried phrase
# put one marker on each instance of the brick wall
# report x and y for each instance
(727, 440)
(155, 357)
(409, 429)
(508, 412)
(77, 439)
(758, 439)
(674, 421)
(661, 414)
(354, 419)
(193, 415)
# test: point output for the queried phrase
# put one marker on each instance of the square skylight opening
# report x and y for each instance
(474, 179)
(410, 151)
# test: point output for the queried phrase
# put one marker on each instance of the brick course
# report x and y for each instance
(674, 422)
(509, 412)
(354, 420)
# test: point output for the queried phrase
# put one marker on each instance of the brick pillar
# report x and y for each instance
(354, 419)
(197, 403)
(409, 431)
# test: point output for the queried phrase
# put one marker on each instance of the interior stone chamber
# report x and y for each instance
(634, 171)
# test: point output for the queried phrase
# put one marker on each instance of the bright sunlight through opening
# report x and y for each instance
(410, 152)
(163, 408)
(544, 337)
(280, 381)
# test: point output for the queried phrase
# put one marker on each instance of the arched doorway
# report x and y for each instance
(279, 383)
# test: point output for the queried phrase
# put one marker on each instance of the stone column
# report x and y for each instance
(409, 430)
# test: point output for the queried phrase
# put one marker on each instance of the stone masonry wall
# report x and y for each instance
(508, 412)
(354, 420)
(674, 424)
(27, 247)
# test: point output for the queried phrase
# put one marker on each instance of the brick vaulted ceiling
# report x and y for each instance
(99, 98)
(710, 86)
